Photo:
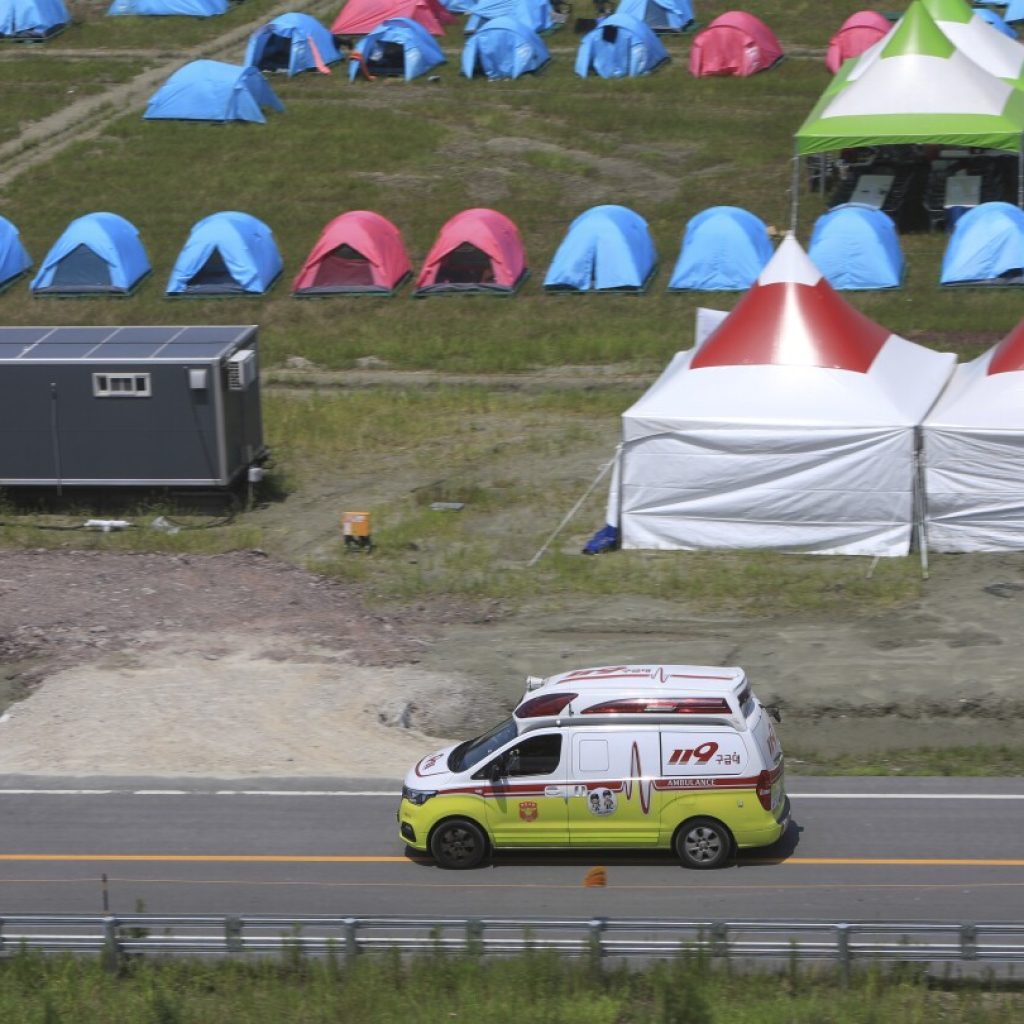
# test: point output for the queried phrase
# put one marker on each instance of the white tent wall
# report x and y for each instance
(813, 490)
(787, 458)
(974, 462)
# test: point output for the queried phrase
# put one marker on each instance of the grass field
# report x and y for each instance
(432, 988)
(541, 150)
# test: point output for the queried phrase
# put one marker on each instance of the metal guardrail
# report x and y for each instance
(841, 942)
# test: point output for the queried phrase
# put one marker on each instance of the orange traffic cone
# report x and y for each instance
(595, 878)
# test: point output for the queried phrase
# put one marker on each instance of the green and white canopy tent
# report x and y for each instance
(915, 86)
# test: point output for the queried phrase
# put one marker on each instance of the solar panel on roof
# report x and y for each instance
(120, 343)
(49, 350)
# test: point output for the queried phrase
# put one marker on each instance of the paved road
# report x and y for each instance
(859, 849)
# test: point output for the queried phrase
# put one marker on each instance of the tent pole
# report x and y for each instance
(794, 198)
(919, 505)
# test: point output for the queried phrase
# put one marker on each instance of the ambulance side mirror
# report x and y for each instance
(774, 712)
(496, 769)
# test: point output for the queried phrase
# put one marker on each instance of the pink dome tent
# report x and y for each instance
(735, 43)
(855, 35)
(358, 17)
(358, 253)
(478, 250)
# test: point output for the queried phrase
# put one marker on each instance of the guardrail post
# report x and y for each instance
(233, 941)
(111, 947)
(719, 939)
(843, 951)
(596, 927)
(349, 925)
(474, 935)
(968, 942)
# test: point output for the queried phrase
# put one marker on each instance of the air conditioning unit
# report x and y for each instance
(241, 369)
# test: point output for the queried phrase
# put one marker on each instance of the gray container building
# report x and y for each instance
(174, 407)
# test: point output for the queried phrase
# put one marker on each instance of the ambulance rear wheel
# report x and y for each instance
(703, 843)
(458, 843)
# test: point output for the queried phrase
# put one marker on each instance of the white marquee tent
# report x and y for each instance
(974, 454)
(792, 427)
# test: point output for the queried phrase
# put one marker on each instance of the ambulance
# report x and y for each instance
(680, 757)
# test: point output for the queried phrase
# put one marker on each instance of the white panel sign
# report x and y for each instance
(702, 752)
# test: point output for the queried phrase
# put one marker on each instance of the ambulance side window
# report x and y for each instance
(538, 755)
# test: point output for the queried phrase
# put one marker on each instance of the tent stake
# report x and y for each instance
(558, 529)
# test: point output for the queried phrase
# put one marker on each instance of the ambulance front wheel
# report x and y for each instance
(703, 843)
(458, 843)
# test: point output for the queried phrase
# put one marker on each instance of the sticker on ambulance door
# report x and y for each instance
(702, 752)
(601, 801)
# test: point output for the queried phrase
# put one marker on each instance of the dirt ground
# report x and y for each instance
(239, 665)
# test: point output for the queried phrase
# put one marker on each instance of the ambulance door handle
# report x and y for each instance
(553, 791)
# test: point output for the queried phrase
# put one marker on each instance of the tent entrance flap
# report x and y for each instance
(465, 264)
(344, 266)
(81, 269)
(276, 54)
(386, 60)
(213, 276)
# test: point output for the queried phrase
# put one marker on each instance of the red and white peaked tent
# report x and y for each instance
(792, 427)
(974, 454)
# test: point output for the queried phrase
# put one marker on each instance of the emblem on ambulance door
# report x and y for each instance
(528, 810)
(601, 801)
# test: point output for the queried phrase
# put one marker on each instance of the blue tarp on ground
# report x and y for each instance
(659, 15)
(503, 48)
(163, 8)
(856, 247)
(986, 247)
(420, 51)
(724, 249)
(620, 47)
(291, 43)
(607, 248)
(32, 19)
(535, 13)
(210, 90)
(227, 253)
(97, 254)
(14, 259)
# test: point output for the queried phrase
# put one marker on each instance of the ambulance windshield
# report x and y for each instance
(472, 752)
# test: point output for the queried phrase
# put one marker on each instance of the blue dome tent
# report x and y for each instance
(503, 48)
(398, 46)
(32, 19)
(98, 254)
(292, 43)
(209, 90)
(986, 247)
(227, 253)
(659, 15)
(166, 8)
(607, 248)
(14, 259)
(620, 47)
(535, 13)
(724, 249)
(856, 248)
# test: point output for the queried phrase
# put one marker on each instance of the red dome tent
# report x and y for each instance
(358, 17)
(478, 250)
(735, 43)
(855, 35)
(359, 252)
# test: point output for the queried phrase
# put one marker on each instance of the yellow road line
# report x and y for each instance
(204, 858)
